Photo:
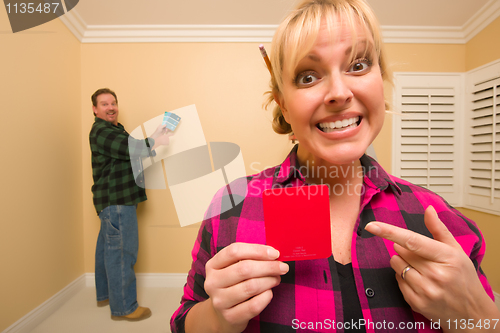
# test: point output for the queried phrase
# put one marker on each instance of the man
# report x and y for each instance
(118, 188)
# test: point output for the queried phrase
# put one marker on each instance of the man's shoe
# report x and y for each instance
(103, 303)
(140, 313)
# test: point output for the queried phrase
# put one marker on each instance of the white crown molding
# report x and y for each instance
(75, 23)
(422, 34)
(480, 20)
(444, 35)
(178, 33)
(264, 33)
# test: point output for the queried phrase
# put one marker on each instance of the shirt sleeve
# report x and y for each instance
(204, 249)
(122, 146)
(476, 253)
(194, 290)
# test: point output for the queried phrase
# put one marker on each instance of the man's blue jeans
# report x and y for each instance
(115, 257)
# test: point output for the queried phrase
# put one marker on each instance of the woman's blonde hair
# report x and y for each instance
(297, 34)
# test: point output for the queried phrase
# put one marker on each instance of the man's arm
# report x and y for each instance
(120, 145)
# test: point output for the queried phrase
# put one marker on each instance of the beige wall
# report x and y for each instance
(41, 235)
(225, 81)
(484, 47)
(50, 227)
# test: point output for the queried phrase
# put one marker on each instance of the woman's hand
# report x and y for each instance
(436, 276)
(238, 280)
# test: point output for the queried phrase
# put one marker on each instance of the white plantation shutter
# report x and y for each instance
(427, 143)
(483, 125)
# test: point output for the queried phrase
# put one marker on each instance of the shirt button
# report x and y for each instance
(369, 292)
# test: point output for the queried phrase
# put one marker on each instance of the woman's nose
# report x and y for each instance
(339, 91)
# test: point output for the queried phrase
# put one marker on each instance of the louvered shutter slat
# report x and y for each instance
(442, 149)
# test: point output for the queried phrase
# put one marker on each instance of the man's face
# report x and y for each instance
(107, 108)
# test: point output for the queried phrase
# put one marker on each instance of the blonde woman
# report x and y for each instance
(416, 270)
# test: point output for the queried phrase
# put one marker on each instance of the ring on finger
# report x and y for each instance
(406, 269)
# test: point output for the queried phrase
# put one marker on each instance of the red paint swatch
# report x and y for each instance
(297, 221)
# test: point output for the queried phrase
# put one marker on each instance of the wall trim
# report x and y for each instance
(74, 22)
(422, 35)
(238, 33)
(484, 17)
(178, 33)
(480, 209)
(34, 318)
(149, 280)
(263, 33)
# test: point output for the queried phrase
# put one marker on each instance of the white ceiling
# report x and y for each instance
(220, 12)
(95, 19)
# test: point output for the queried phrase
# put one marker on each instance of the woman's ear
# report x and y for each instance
(278, 98)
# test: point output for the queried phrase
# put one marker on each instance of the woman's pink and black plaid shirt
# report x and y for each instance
(308, 298)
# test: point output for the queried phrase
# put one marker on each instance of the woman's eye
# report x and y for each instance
(360, 65)
(306, 78)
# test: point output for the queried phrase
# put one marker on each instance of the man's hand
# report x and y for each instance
(160, 130)
(161, 136)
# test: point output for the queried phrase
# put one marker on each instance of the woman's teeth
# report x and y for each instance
(339, 124)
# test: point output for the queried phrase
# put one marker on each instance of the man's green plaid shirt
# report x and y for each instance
(116, 156)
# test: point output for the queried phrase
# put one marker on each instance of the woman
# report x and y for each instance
(328, 73)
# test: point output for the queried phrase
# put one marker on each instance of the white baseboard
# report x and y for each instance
(27, 323)
(151, 280)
